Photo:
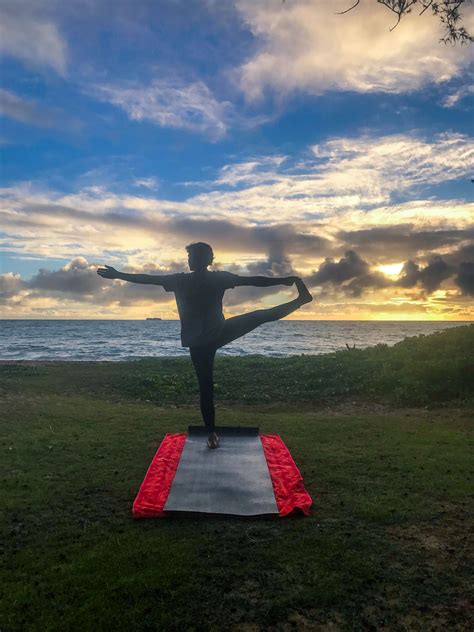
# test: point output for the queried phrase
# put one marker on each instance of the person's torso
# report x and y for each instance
(199, 301)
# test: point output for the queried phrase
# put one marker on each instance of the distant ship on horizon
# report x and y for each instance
(153, 318)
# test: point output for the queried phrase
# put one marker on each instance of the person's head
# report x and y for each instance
(200, 256)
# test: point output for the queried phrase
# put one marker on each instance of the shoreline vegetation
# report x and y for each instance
(423, 370)
(382, 437)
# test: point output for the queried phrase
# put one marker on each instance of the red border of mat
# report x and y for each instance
(290, 494)
(156, 485)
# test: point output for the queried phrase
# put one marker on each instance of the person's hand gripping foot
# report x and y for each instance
(304, 294)
(212, 441)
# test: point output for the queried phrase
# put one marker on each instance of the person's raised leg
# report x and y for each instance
(238, 326)
(280, 311)
(203, 361)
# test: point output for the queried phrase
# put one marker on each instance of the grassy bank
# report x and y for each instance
(386, 546)
(419, 371)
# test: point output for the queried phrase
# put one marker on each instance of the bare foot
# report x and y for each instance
(304, 295)
(212, 441)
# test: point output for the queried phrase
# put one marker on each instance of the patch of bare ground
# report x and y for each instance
(446, 538)
(440, 549)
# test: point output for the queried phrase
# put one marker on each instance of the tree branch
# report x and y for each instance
(426, 6)
(347, 10)
(399, 7)
(447, 11)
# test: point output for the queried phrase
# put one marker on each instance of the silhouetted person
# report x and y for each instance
(204, 329)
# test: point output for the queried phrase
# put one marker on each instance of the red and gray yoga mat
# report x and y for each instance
(248, 475)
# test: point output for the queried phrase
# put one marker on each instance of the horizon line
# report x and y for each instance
(299, 320)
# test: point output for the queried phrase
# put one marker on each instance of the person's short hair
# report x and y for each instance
(203, 252)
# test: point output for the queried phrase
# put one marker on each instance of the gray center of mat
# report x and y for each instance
(233, 479)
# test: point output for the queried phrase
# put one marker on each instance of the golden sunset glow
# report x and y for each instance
(289, 145)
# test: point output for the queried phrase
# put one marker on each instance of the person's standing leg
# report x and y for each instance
(203, 361)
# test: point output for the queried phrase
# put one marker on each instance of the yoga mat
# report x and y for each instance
(240, 479)
(233, 479)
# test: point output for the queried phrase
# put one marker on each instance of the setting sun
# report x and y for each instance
(391, 269)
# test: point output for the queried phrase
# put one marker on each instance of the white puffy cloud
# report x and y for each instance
(270, 214)
(267, 207)
(305, 46)
(170, 103)
(256, 171)
(394, 163)
(350, 180)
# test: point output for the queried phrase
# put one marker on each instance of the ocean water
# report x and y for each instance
(134, 339)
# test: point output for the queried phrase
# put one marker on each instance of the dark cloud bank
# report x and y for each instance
(402, 241)
(78, 281)
(353, 273)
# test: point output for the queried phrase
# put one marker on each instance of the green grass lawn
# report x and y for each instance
(386, 546)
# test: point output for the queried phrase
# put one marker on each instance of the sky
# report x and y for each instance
(294, 140)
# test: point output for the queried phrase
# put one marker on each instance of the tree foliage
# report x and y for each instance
(447, 11)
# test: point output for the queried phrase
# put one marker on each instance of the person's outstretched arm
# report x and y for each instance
(111, 273)
(263, 281)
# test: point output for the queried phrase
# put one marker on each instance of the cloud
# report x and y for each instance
(346, 176)
(36, 214)
(394, 163)
(274, 240)
(150, 183)
(278, 264)
(10, 286)
(346, 182)
(258, 171)
(26, 111)
(403, 240)
(432, 275)
(372, 280)
(78, 281)
(273, 214)
(429, 277)
(460, 255)
(305, 47)
(439, 268)
(348, 267)
(75, 289)
(351, 272)
(462, 260)
(170, 103)
(75, 277)
(465, 277)
(354, 275)
(402, 308)
(27, 34)
(455, 97)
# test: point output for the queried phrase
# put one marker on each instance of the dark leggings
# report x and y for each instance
(235, 327)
